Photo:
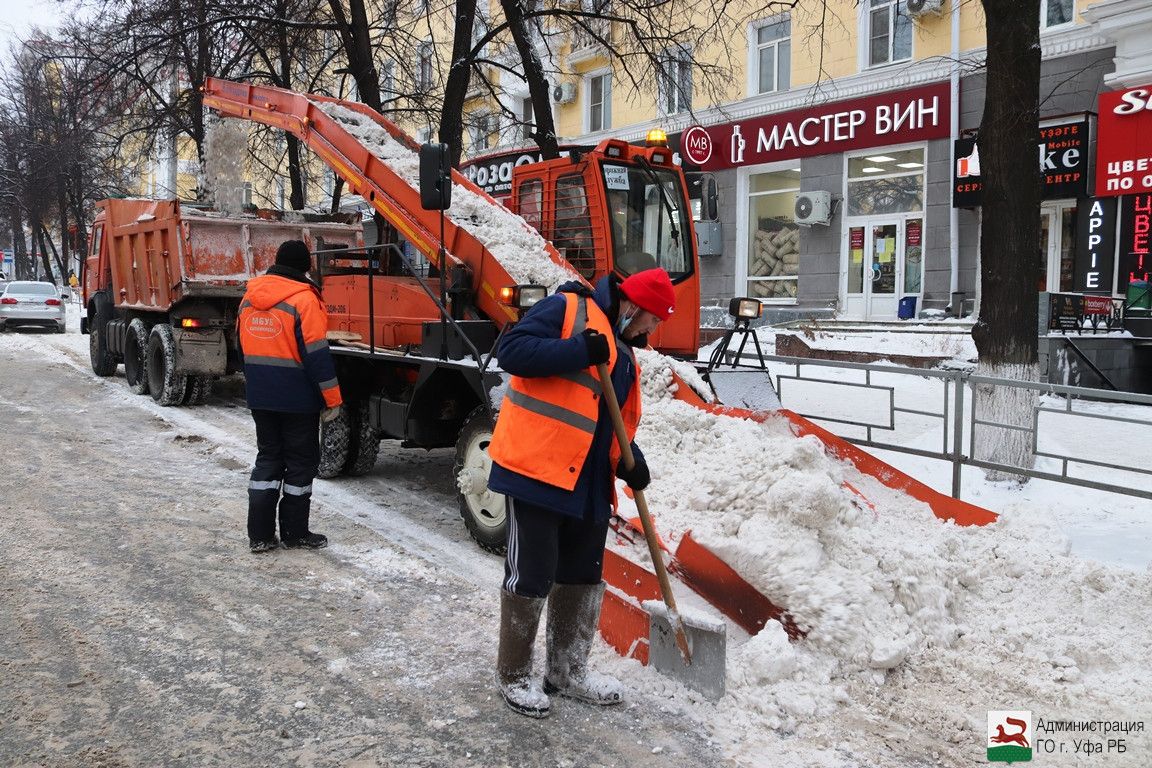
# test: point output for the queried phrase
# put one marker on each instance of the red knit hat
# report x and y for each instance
(651, 290)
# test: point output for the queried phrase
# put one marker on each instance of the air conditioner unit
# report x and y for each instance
(813, 208)
(564, 93)
(924, 7)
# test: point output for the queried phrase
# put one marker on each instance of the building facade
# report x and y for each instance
(845, 160)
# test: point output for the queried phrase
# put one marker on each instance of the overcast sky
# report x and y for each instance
(18, 16)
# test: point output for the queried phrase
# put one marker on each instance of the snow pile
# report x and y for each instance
(517, 247)
(890, 596)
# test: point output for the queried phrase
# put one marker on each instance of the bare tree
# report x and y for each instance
(1005, 334)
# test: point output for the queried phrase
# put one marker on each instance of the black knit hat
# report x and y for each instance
(294, 254)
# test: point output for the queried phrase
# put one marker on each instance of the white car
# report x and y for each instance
(24, 302)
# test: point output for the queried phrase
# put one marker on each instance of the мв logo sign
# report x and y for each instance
(1009, 737)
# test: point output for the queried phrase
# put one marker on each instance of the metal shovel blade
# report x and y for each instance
(707, 672)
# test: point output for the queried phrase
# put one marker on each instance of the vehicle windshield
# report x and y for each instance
(31, 289)
(649, 229)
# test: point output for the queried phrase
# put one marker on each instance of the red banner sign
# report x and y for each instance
(1124, 142)
(896, 117)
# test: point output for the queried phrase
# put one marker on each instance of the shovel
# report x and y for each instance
(710, 640)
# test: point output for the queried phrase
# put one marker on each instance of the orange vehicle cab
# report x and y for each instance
(619, 208)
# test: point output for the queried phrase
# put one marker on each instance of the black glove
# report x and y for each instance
(597, 344)
(637, 477)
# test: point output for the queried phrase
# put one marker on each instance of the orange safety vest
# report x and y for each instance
(546, 423)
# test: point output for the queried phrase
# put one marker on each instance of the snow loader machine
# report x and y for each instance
(412, 343)
(414, 319)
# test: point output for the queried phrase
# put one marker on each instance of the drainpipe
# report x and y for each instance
(954, 213)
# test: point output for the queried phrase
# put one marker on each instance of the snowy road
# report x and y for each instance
(139, 631)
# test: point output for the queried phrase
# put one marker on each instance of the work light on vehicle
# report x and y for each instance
(522, 296)
(744, 308)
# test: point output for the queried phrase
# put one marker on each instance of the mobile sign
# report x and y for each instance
(1124, 143)
(1063, 160)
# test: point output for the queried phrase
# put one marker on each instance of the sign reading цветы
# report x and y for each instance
(1124, 142)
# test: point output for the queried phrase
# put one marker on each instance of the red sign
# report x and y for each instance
(696, 145)
(896, 117)
(912, 232)
(1124, 142)
(1097, 305)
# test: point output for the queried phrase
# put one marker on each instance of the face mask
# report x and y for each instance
(622, 323)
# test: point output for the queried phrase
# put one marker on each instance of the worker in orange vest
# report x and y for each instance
(290, 382)
(555, 457)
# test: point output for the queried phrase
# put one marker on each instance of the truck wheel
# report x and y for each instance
(167, 387)
(103, 361)
(198, 390)
(364, 445)
(484, 512)
(135, 350)
(335, 439)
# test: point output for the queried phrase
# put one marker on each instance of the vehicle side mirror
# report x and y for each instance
(435, 177)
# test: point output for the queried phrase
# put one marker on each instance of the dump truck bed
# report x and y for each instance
(160, 254)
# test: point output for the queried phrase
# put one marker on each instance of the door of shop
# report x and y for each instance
(876, 265)
(1057, 247)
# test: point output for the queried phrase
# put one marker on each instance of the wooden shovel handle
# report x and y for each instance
(654, 552)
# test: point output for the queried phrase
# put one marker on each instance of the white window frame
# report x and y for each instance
(1044, 27)
(482, 125)
(425, 47)
(480, 26)
(525, 110)
(606, 111)
(681, 58)
(743, 174)
(754, 48)
(865, 34)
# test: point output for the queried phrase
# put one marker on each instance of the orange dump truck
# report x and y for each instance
(162, 285)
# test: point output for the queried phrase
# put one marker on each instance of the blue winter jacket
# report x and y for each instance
(533, 347)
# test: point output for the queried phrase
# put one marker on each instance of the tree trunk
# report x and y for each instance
(538, 86)
(357, 39)
(1006, 331)
(47, 243)
(459, 74)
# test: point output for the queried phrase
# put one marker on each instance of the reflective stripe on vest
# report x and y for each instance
(547, 423)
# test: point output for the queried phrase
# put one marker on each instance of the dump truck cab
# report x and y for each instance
(619, 208)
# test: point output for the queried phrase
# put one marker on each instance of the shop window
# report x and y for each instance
(773, 237)
(913, 255)
(772, 55)
(674, 81)
(889, 32)
(572, 231)
(1055, 13)
(886, 182)
(599, 92)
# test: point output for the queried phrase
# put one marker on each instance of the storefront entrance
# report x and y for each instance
(884, 223)
(884, 266)
(1057, 247)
